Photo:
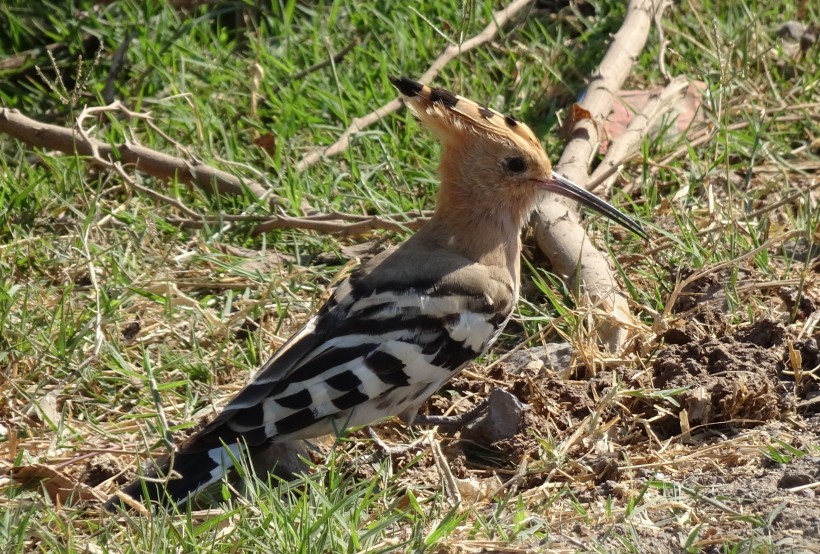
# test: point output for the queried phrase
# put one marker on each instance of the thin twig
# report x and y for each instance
(627, 145)
(370, 224)
(336, 226)
(513, 482)
(665, 243)
(154, 194)
(447, 477)
(499, 19)
(670, 303)
(662, 42)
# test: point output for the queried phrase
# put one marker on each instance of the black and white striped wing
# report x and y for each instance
(361, 358)
(364, 356)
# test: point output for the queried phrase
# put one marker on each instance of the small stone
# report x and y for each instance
(499, 421)
(792, 479)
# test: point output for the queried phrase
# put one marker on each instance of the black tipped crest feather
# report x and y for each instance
(406, 86)
(459, 113)
(486, 112)
(444, 96)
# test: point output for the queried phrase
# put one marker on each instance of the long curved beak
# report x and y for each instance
(563, 186)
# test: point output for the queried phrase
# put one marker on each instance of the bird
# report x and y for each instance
(408, 319)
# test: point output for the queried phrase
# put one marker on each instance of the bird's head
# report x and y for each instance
(492, 159)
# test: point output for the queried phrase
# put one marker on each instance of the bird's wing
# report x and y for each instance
(381, 345)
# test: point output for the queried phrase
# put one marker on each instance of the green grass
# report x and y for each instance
(83, 359)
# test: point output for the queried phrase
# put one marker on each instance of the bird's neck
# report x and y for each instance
(486, 232)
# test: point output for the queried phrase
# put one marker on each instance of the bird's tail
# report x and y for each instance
(175, 479)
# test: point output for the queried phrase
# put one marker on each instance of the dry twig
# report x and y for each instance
(558, 231)
(499, 19)
(680, 286)
(627, 145)
(157, 164)
(342, 224)
(165, 167)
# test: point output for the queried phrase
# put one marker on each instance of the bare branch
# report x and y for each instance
(662, 42)
(558, 231)
(499, 19)
(157, 164)
(341, 225)
(154, 194)
(164, 166)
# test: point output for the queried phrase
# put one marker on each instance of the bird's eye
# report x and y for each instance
(516, 164)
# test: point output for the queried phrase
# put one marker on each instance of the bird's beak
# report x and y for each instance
(565, 187)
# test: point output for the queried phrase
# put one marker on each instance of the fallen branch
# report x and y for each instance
(499, 19)
(628, 144)
(342, 225)
(558, 230)
(157, 164)
(164, 166)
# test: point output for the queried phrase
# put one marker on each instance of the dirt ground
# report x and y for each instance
(720, 430)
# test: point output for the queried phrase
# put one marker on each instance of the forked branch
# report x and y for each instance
(165, 167)
(157, 164)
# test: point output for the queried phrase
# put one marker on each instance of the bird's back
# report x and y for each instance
(388, 337)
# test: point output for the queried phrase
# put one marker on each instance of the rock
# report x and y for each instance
(499, 421)
(556, 356)
(793, 479)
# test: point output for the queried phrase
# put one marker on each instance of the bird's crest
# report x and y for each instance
(449, 115)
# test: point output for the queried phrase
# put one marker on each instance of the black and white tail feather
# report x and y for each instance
(408, 319)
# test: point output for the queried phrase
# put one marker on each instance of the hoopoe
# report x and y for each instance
(408, 319)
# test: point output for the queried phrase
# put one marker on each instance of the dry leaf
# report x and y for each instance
(631, 102)
(266, 142)
(46, 407)
(579, 114)
(576, 114)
